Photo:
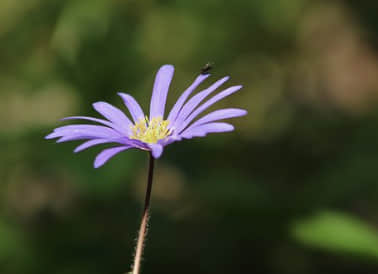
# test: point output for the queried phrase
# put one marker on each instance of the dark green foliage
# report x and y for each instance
(293, 190)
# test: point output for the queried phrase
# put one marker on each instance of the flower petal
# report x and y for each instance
(114, 115)
(133, 106)
(159, 94)
(219, 114)
(108, 153)
(206, 105)
(202, 130)
(101, 121)
(52, 135)
(72, 138)
(169, 140)
(91, 131)
(132, 142)
(195, 101)
(156, 150)
(181, 100)
(91, 143)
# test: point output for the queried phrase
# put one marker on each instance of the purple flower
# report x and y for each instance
(154, 132)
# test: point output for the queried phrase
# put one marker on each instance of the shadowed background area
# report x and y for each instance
(293, 190)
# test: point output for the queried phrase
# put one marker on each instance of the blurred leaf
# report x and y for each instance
(337, 232)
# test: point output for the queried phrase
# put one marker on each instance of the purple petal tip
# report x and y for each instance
(50, 136)
(156, 150)
(167, 66)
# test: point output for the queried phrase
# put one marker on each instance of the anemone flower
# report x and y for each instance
(151, 133)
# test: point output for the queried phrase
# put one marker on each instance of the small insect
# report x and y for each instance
(206, 68)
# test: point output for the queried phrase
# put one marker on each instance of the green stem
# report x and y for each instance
(143, 226)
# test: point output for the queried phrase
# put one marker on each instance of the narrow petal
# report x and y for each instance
(51, 135)
(219, 114)
(133, 106)
(195, 101)
(181, 100)
(108, 153)
(206, 105)
(202, 130)
(91, 143)
(132, 142)
(72, 138)
(93, 131)
(156, 150)
(114, 115)
(159, 93)
(169, 140)
(101, 121)
(82, 132)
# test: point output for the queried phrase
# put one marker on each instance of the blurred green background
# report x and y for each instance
(293, 190)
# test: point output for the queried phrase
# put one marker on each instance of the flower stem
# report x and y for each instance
(143, 226)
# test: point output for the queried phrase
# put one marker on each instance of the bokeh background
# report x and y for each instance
(293, 190)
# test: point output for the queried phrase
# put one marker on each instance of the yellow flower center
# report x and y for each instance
(150, 131)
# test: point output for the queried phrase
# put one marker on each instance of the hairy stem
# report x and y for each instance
(143, 226)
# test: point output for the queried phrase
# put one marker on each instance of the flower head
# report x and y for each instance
(154, 132)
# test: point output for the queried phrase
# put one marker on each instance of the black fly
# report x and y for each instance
(206, 68)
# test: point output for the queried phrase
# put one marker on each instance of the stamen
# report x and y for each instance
(150, 131)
